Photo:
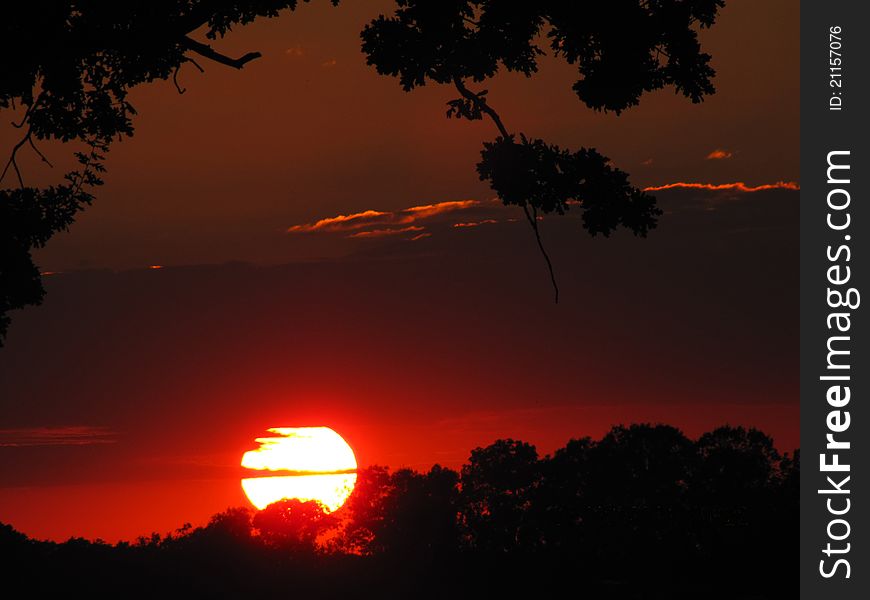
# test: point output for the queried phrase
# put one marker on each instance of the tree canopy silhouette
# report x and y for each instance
(644, 512)
(621, 48)
(72, 86)
(292, 524)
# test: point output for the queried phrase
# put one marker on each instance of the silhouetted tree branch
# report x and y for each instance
(12, 162)
(480, 105)
(208, 52)
(533, 221)
(480, 102)
(74, 85)
(621, 50)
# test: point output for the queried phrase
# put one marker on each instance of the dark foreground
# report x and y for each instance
(642, 513)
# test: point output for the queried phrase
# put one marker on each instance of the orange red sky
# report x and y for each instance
(330, 258)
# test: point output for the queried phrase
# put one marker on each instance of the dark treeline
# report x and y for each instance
(644, 512)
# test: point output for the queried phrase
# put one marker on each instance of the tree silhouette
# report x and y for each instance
(562, 501)
(497, 487)
(621, 48)
(368, 505)
(72, 86)
(403, 513)
(292, 525)
(644, 512)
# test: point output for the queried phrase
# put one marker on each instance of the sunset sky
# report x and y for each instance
(329, 257)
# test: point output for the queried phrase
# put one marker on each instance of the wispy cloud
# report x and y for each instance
(376, 233)
(376, 223)
(474, 223)
(737, 186)
(418, 222)
(719, 154)
(70, 435)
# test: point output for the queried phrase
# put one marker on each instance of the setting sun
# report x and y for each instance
(315, 464)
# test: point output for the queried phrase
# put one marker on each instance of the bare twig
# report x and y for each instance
(27, 113)
(35, 149)
(177, 70)
(12, 163)
(178, 87)
(194, 63)
(533, 220)
(208, 52)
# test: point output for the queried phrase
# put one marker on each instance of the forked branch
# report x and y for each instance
(207, 51)
(480, 102)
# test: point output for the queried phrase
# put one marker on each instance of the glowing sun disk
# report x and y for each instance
(317, 465)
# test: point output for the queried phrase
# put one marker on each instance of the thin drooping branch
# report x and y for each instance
(26, 116)
(12, 162)
(533, 220)
(177, 70)
(481, 104)
(208, 52)
(194, 63)
(178, 87)
(27, 139)
(38, 152)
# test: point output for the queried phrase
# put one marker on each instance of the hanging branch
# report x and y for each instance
(13, 163)
(481, 105)
(533, 220)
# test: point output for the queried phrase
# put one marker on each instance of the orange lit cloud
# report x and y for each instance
(377, 233)
(430, 210)
(719, 154)
(474, 223)
(343, 222)
(383, 222)
(73, 435)
(737, 186)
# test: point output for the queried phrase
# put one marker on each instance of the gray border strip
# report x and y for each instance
(833, 129)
